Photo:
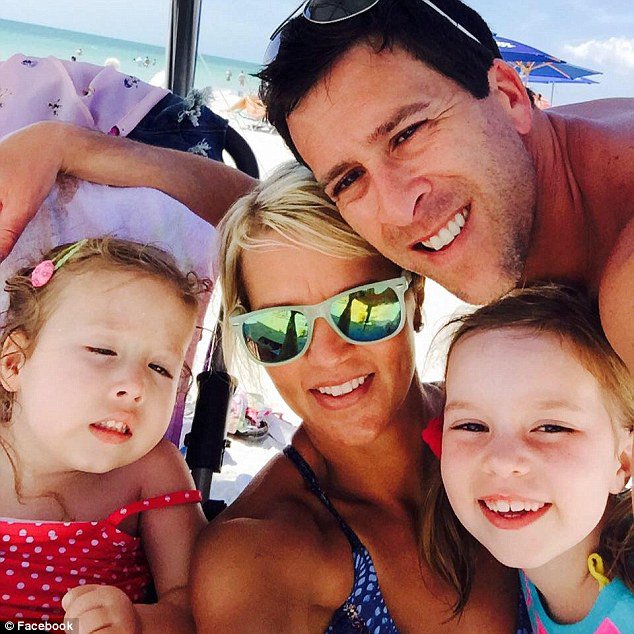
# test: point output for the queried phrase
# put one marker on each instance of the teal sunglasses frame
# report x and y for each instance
(311, 312)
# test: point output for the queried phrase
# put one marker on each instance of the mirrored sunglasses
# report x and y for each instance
(329, 11)
(362, 315)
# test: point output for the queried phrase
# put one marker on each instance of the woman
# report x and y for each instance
(328, 536)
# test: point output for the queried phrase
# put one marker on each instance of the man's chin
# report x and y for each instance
(481, 291)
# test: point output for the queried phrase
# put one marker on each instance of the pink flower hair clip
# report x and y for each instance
(43, 272)
(432, 435)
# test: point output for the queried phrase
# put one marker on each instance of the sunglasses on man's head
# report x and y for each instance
(329, 11)
(362, 315)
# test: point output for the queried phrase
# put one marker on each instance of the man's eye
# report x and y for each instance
(407, 133)
(159, 369)
(347, 180)
(553, 428)
(471, 426)
(103, 351)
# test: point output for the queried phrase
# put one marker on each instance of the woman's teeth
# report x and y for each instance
(114, 425)
(448, 233)
(344, 388)
(515, 506)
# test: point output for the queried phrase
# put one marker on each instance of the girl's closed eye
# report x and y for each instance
(101, 351)
(159, 369)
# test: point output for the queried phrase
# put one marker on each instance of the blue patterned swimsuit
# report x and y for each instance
(364, 611)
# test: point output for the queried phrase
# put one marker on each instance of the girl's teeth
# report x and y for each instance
(514, 506)
(122, 428)
(344, 388)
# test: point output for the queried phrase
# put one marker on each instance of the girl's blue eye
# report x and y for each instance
(159, 369)
(471, 426)
(347, 180)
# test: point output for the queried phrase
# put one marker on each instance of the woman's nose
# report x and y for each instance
(326, 346)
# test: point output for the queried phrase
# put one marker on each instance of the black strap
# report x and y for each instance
(311, 481)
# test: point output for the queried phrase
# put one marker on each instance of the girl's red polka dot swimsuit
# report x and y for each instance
(41, 561)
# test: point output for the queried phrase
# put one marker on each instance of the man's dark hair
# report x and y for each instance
(308, 51)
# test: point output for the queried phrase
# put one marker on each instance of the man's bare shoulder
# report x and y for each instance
(616, 296)
(617, 111)
(597, 137)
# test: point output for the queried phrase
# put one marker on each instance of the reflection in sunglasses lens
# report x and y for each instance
(367, 315)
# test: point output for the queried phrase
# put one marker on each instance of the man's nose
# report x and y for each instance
(399, 193)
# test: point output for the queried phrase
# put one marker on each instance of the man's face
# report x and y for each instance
(438, 181)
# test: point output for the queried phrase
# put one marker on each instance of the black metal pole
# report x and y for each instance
(182, 45)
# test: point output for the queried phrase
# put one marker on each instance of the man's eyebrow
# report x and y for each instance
(381, 130)
(402, 113)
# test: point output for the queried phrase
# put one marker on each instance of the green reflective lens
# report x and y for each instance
(367, 315)
(277, 335)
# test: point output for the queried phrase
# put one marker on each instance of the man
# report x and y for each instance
(429, 145)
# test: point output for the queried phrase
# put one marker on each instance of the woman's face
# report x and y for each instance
(291, 275)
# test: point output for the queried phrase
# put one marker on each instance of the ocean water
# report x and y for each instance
(141, 60)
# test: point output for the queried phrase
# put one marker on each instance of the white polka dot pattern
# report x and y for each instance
(41, 561)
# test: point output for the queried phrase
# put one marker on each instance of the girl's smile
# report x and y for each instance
(512, 515)
(529, 455)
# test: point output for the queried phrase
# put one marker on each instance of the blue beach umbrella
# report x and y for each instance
(559, 71)
(517, 53)
(562, 74)
(524, 58)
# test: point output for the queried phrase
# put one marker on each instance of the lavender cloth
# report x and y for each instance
(96, 97)
(41, 89)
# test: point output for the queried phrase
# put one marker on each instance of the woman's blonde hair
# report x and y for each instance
(289, 205)
(569, 315)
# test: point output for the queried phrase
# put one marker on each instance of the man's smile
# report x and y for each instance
(446, 234)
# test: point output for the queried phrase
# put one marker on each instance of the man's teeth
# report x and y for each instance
(504, 506)
(344, 388)
(115, 425)
(448, 233)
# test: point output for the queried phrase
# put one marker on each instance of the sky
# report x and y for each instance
(598, 34)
